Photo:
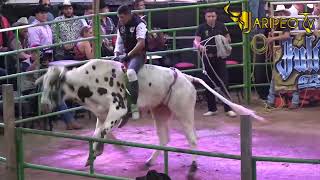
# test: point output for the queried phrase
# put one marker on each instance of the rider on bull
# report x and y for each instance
(131, 49)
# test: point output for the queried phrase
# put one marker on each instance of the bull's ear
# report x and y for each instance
(39, 80)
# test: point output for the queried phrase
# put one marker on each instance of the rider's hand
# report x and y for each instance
(121, 58)
(202, 48)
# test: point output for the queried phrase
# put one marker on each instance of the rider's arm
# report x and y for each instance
(119, 45)
(141, 32)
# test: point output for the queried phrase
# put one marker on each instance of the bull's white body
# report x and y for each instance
(85, 82)
(154, 83)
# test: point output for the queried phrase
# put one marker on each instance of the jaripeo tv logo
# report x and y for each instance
(246, 23)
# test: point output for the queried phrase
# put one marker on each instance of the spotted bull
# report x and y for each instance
(99, 86)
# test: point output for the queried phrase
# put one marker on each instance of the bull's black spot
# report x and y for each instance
(97, 80)
(122, 86)
(120, 89)
(111, 82)
(93, 67)
(106, 79)
(114, 73)
(84, 92)
(103, 133)
(112, 122)
(71, 87)
(121, 101)
(117, 108)
(113, 94)
(102, 91)
(118, 84)
(149, 84)
(116, 122)
(87, 72)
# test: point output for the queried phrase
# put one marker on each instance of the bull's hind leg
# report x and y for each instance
(161, 116)
(182, 105)
(187, 121)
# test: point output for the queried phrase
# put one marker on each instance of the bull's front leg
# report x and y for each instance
(113, 119)
(103, 128)
(97, 147)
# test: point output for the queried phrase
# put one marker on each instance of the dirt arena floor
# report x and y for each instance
(287, 134)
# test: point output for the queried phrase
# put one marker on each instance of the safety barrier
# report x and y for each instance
(16, 149)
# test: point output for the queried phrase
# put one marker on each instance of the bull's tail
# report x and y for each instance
(236, 107)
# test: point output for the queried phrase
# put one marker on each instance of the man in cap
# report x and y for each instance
(281, 11)
(66, 31)
(47, 4)
(40, 35)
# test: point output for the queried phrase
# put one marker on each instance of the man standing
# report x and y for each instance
(40, 35)
(285, 35)
(131, 49)
(66, 31)
(107, 28)
(47, 4)
(207, 30)
(139, 5)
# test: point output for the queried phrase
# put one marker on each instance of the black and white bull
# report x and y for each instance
(99, 86)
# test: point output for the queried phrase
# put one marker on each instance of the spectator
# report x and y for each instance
(15, 43)
(281, 11)
(83, 49)
(296, 9)
(211, 28)
(107, 27)
(4, 41)
(66, 31)
(47, 4)
(87, 11)
(316, 11)
(140, 5)
(39, 36)
(20, 42)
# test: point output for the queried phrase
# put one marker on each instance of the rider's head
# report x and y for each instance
(124, 14)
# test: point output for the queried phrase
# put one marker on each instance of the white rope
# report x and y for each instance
(215, 73)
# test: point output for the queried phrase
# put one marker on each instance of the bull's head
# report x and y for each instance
(51, 86)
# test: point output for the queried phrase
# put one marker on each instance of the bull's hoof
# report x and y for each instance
(124, 121)
(88, 161)
(99, 149)
(148, 164)
(192, 171)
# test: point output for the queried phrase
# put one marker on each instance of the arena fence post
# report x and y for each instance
(149, 23)
(166, 162)
(91, 157)
(246, 147)
(96, 29)
(246, 59)
(9, 131)
(254, 169)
